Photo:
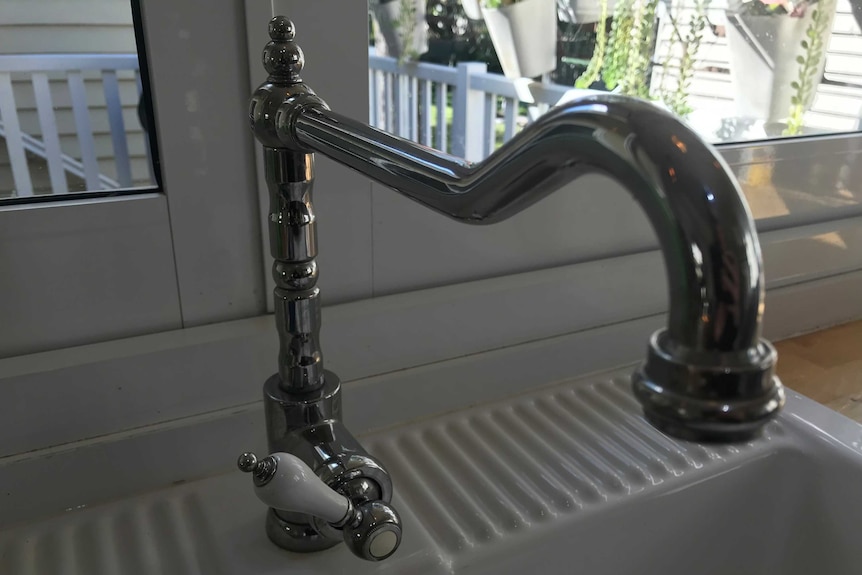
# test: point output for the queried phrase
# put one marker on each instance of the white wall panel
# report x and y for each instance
(84, 271)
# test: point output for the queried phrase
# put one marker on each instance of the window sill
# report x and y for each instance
(137, 382)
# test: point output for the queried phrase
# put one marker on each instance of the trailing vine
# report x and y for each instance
(406, 28)
(677, 100)
(621, 35)
(624, 60)
(594, 68)
(635, 81)
(813, 47)
(668, 55)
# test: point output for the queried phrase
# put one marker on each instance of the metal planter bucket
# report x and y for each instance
(525, 37)
(587, 11)
(763, 52)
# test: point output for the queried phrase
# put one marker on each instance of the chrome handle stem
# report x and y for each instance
(293, 244)
(302, 402)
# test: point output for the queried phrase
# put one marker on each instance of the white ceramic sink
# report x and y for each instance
(566, 480)
(774, 514)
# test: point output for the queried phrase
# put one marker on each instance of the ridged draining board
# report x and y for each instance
(489, 473)
(470, 485)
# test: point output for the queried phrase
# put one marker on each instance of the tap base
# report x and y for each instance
(296, 537)
(708, 395)
(688, 432)
(288, 413)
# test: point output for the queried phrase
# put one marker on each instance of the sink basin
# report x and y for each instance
(770, 515)
(566, 479)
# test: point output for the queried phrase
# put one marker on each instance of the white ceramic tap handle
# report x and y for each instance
(284, 482)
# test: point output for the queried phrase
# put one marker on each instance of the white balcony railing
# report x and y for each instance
(43, 70)
(455, 109)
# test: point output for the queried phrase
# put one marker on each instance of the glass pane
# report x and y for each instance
(736, 70)
(73, 114)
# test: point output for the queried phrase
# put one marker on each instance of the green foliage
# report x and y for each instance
(406, 28)
(594, 68)
(618, 47)
(624, 60)
(809, 65)
(677, 99)
(759, 8)
(635, 81)
(498, 3)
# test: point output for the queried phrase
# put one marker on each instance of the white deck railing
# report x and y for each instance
(412, 100)
(72, 66)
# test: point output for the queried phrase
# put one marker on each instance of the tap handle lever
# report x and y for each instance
(284, 482)
(371, 529)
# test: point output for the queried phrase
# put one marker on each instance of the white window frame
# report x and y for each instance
(78, 271)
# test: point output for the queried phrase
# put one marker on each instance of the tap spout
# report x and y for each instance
(709, 375)
(695, 206)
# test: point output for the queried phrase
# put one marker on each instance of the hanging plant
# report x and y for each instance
(814, 46)
(635, 81)
(591, 74)
(778, 56)
(406, 26)
(618, 47)
(688, 47)
(624, 60)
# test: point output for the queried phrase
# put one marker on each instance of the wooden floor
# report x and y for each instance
(826, 366)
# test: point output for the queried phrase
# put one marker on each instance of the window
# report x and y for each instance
(450, 74)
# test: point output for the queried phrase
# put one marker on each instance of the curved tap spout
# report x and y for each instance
(709, 375)
(694, 205)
